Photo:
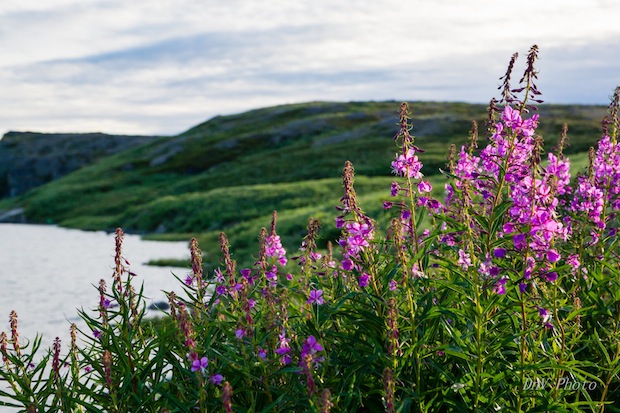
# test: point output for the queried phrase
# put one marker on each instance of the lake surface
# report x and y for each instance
(46, 273)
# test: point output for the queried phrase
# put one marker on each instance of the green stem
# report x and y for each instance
(613, 364)
(523, 353)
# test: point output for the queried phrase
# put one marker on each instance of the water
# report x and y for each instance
(47, 273)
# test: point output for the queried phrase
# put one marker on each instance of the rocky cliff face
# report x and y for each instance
(29, 159)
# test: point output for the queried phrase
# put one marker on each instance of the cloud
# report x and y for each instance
(162, 67)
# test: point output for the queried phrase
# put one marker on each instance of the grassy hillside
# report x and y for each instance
(230, 172)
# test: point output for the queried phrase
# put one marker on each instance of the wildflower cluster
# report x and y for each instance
(459, 305)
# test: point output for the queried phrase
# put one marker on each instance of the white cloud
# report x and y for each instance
(160, 67)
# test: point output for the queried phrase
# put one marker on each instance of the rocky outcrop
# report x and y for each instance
(28, 159)
(14, 216)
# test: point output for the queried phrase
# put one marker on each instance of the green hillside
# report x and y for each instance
(231, 172)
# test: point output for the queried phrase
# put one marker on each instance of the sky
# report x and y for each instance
(162, 66)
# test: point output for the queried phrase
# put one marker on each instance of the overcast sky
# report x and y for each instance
(162, 66)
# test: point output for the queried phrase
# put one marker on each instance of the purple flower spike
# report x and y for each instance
(273, 248)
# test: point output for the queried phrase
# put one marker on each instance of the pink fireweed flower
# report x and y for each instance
(416, 272)
(500, 286)
(467, 166)
(546, 317)
(485, 267)
(519, 241)
(316, 297)
(246, 273)
(355, 244)
(573, 261)
(284, 349)
(394, 189)
(534, 207)
(560, 170)
(340, 222)
(553, 256)
(219, 277)
(602, 187)
(424, 187)
(200, 364)
(499, 252)
(358, 229)
(311, 346)
(272, 276)
(273, 248)
(511, 117)
(464, 260)
(550, 276)
(362, 280)
(407, 165)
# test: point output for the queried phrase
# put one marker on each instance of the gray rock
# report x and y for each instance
(29, 159)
